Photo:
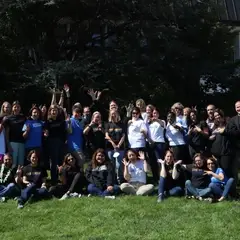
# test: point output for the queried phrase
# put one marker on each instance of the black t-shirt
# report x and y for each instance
(69, 173)
(34, 174)
(56, 128)
(115, 132)
(197, 139)
(15, 124)
(96, 137)
(199, 179)
(170, 182)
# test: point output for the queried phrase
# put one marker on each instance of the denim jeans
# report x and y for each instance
(220, 190)
(175, 191)
(94, 190)
(117, 164)
(197, 192)
(18, 153)
(8, 191)
(38, 193)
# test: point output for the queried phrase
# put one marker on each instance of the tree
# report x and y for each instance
(158, 50)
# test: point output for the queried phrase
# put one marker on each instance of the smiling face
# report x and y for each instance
(71, 160)
(96, 118)
(211, 165)
(16, 109)
(6, 108)
(7, 160)
(210, 111)
(155, 114)
(193, 117)
(149, 111)
(169, 158)
(198, 162)
(34, 159)
(132, 157)
(113, 106)
(100, 158)
(237, 107)
(35, 114)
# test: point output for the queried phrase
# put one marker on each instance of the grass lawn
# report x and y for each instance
(122, 218)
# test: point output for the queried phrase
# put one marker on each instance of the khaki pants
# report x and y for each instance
(136, 188)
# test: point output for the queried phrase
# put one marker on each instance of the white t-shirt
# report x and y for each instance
(156, 132)
(144, 116)
(136, 139)
(174, 136)
(2, 142)
(136, 170)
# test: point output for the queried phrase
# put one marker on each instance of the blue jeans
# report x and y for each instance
(117, 164)
(196, 192)
(18, 153)
(175, 191)
(221, 190)
(94, 190)
(159, 150)
(8, 191)
(38, 193)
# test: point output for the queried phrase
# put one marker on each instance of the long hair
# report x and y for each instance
(118, 118)
(94, 161)
(202, 157)
(49, 116)
(2, 111)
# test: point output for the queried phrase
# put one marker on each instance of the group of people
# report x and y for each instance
(69, 151)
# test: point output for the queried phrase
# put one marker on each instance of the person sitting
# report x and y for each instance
(34, 178)
(220, 184)
(99, 174)
(169, 175)
(135, 169)
(197, 187)
(72, 179)
(8, 187)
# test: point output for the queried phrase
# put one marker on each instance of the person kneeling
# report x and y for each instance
(100, 175)
(34, 178)
(135, 169)
(72, 179)
(169, 174)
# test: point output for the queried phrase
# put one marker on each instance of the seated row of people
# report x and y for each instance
(203, 179)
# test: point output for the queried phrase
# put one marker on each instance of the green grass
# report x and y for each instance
(124, 218)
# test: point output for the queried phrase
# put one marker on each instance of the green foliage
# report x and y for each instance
(157, 50)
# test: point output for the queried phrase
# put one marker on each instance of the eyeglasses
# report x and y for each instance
(7, 159)
(70, 159)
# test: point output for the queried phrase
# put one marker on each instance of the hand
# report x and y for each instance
(29, 184)
(66, 88)
(142, 131)
(59, 168)
(129, 109)
(52, 90)
(94, 95)
(178, 162)
(212, 137)
(46, 133)
(161, 161)
(125, 163)
(114, 145)
(19, 170)
(129, 122)
(208, 172)
(221, 130)
(43, 185)
(141, 155)
(110, 188)
(190, 130)
(197, 129)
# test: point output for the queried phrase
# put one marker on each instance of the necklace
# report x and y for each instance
(1, 174)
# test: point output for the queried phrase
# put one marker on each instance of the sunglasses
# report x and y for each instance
(135, 113)
(70, 159)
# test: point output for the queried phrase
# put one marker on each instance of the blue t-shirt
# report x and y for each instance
(215, 180)
(75, 139)
(34, 138)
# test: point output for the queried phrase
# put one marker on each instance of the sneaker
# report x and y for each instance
(20, 206)
(110, 197)
(80, 195)
(89, 195)
(210, 200)
(73, 195)
(64, 197)
(160, 198)
(199, 198)
(3, 199)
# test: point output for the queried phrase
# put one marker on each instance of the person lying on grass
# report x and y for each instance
(169, 184)
(220, 184)
(72, 179)
(34, 180)
(197, 187)
(8, 186)
(99, 174)
(135, 173)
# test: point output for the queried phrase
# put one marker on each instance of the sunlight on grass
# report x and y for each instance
(123, 218)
